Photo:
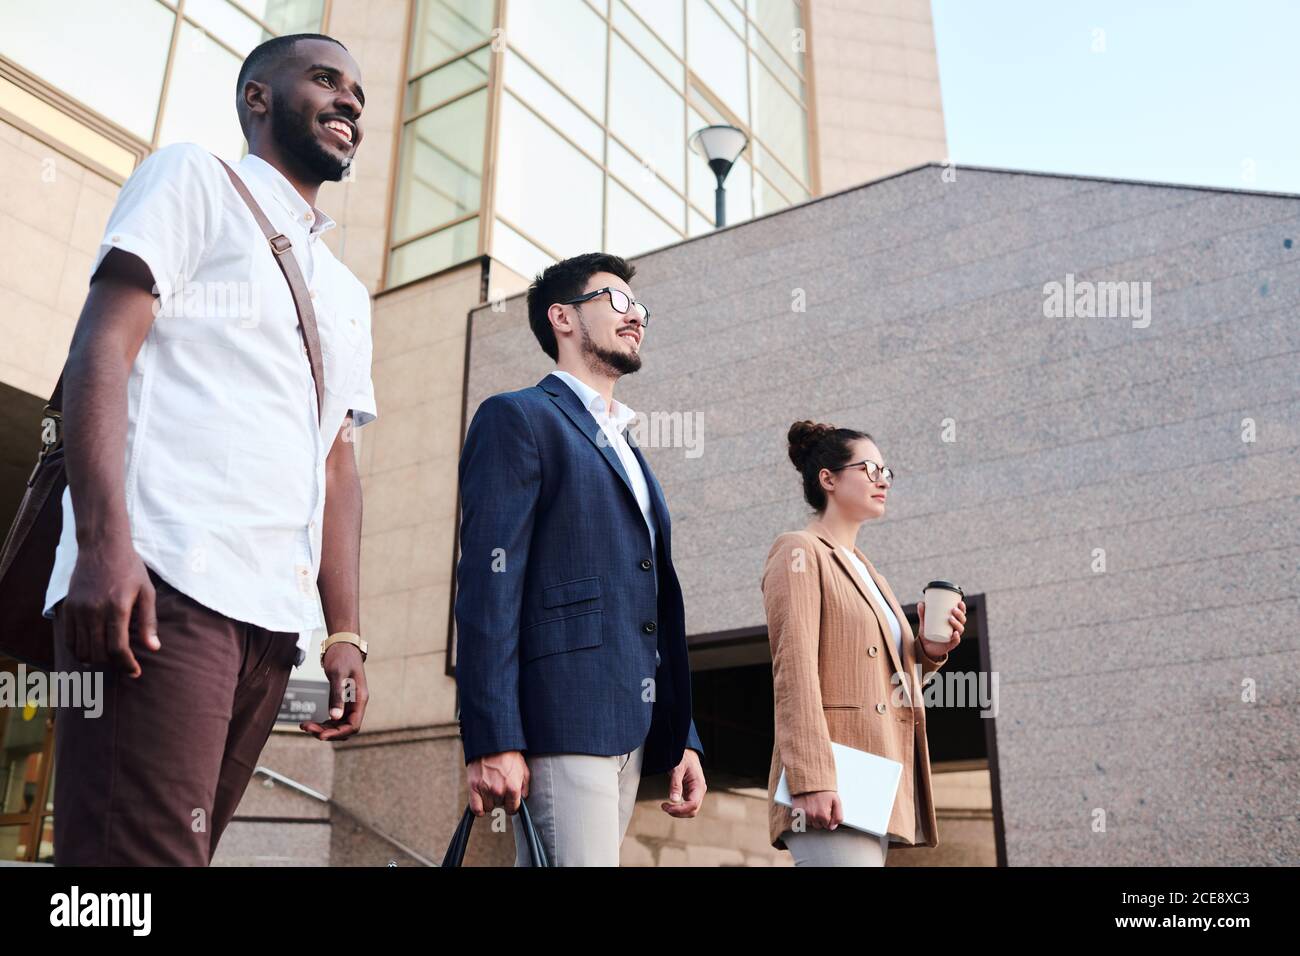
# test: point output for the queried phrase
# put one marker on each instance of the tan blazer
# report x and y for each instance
(833, 657)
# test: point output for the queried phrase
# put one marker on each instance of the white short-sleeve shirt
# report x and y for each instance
(225, 456)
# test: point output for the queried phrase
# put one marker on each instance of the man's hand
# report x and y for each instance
(497, 780)
(108, 584)
(688, 774)
(956, 620)
(348, 694)
(822, 809)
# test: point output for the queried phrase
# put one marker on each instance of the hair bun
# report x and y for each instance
(804, 437)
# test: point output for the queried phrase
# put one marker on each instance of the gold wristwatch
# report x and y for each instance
(343, 637)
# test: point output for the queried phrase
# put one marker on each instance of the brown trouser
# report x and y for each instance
(155, 778)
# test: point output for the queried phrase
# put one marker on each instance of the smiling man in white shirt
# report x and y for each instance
(213, 513)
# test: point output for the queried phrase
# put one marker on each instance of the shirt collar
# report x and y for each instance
(285, 194)
(594, 402)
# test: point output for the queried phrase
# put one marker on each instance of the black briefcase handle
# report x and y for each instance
(460, 839)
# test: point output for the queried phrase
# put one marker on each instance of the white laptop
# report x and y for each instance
(866, 783)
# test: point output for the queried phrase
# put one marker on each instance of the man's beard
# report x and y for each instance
(296, 136)
(605, 361)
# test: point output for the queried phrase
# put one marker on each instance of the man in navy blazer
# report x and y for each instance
(571, 654)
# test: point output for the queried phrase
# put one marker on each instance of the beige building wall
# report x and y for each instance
(52, 215)
(405, 774)
(375, 34)
(877, 108)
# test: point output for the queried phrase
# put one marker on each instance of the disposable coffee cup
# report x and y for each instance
(941, 599)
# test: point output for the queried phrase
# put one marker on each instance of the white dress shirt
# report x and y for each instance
(863, 573)
(225, 455)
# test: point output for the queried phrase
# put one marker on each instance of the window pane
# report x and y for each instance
(566, 41)
(546, 187)
(21, 749)
(778, 20)
(780, 122)
(443, 28)
(784, 72)
(782, 180)
(201, 98)
(453, 245)
(633, 228)
(640, 178)
(731, 13)
(643, 41)
(456, 77)
(123, 74)
(647, 113)
(284, 16)
(662, 16)
(441, 166)
(533, 89)
(226, 22)
(517, 253)
(718, 56)
(699, 225)
(767, 198)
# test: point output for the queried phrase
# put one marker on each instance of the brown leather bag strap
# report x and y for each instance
(283, 250)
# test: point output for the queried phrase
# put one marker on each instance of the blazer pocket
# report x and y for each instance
(561, 635)
(570, 592)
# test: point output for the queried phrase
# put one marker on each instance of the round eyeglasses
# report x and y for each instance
(874, 471)
(621, 301)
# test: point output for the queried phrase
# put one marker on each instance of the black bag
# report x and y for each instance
(460, 839)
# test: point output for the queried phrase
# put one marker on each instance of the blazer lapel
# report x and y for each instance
(568, 402)
(887, 635)
(909, 639)
(658, 505)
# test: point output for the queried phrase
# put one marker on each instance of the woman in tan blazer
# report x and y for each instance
(840, 645)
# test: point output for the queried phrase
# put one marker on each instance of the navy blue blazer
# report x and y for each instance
(557, 618)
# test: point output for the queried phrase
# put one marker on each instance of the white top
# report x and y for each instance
(889, 612)
(225, 458)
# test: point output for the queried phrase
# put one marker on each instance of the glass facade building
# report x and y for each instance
(160, 72)
(534, 130)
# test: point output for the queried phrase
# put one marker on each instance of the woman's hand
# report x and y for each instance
(818, 810)
(956, 620)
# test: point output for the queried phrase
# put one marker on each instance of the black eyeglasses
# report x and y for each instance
(620, 300)
(874, 471)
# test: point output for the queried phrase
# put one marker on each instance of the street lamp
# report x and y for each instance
(721, 146)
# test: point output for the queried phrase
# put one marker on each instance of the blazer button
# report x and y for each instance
(880, 708)
(645, 564)
(648, 627)
(873, 650)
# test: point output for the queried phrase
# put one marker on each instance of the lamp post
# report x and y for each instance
(721, 146)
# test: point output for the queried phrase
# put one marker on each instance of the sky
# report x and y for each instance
(1185, 91)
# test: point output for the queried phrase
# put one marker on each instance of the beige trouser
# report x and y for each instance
(580, 805)
(845, 846)
(842, 846)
